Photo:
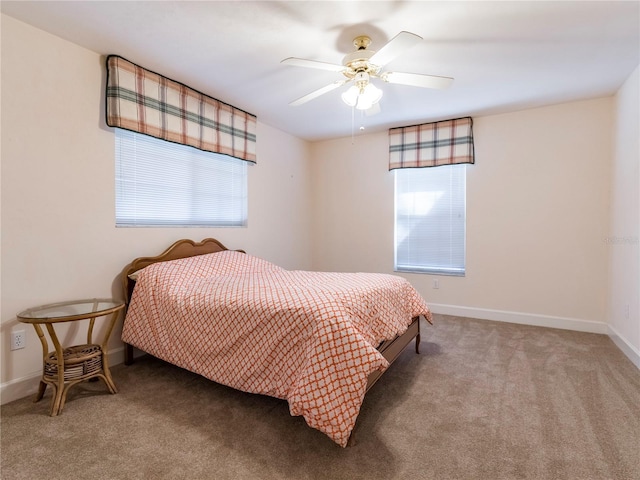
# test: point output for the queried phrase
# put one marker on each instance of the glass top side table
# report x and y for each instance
(65, 367)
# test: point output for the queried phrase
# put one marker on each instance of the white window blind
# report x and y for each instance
(430, 219)
(160, 183)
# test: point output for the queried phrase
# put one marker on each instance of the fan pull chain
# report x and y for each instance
(353, 123)
(353, 109)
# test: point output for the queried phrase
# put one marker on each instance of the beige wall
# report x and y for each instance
(537, 203)
(538, 206)
(59, 241)
(624, 232)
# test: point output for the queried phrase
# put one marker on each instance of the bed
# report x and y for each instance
(319, 340)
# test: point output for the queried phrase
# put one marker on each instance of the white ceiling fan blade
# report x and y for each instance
(394, 47)
(301, 62)
(317, 93)
(417, 80)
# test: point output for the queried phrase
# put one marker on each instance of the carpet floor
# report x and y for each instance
(483, 400)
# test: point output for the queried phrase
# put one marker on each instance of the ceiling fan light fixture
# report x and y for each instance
(363, 98)
(369, 96)
(350, 97)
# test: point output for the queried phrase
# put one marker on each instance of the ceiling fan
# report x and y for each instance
(362, 65)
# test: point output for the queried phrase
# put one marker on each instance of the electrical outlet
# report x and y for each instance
(18, 340)
(436, 283)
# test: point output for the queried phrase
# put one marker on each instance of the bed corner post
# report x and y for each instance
(128, 354)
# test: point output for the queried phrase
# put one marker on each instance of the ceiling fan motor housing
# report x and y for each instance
(358, 61)
(361, 79)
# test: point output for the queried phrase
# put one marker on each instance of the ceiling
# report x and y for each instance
(504, 56)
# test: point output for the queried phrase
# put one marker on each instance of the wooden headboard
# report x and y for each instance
(180, 249)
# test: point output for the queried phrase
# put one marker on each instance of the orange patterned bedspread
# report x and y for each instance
(307, 337)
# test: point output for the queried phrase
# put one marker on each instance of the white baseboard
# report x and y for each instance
(521, 318)
(564, 323)
(28, 385)
(25, 386)
(629, 350)
(19, 388)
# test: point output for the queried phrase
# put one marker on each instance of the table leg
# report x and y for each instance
(57, 402)
(41, 389)
(107, 375)
(60, 391)
(105, 363)
(45, 351)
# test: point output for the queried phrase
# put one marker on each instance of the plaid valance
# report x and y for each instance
(431, 144)
(145, 102)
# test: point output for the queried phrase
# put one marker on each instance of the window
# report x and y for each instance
(160, 184)
(430, 219)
